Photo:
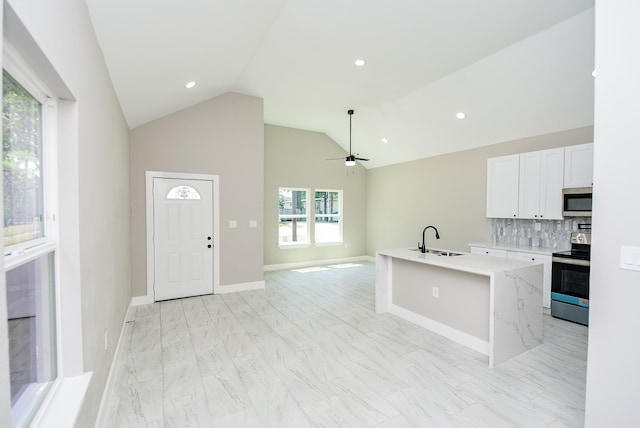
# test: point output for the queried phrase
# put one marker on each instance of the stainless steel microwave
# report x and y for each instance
(577, 202)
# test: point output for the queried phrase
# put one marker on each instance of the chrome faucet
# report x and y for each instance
(423, 247)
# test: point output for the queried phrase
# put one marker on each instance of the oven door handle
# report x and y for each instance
(571, 261)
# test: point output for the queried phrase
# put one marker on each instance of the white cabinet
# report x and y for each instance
(495, 252)
(578, 165)
(541, 180)
(546, 282)
(502, 186)
(527, 185)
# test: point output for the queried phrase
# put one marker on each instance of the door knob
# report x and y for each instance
(209, 246)
(209, 238)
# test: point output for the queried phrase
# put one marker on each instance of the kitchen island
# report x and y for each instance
(488, 304)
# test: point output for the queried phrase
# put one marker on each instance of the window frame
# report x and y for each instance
(19, 254)
(339, 216)
(306, 216)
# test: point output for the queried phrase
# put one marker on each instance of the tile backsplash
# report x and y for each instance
(553, 234)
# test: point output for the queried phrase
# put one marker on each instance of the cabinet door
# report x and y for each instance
(541, 181)
(546, 278)
(578, 165)
(552, 174)
(502, 186)
(529, 191)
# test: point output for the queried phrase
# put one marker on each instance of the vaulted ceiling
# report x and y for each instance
(516, 68)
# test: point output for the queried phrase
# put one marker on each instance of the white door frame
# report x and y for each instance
(215, 179)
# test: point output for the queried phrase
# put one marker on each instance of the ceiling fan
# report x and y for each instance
(351, 159)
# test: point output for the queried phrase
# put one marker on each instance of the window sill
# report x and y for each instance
(292, 246)
(328, 244)
(62, 407)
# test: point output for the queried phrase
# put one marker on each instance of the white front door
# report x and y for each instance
(182, 237)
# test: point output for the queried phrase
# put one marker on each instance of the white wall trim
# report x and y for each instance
(243, 286)
(141, 300)
(149, 176)
(114, 371)
(296, 265)
(457, 336)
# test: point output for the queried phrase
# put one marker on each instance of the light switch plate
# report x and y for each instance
(233, 224)
(630, 258)
(253, 223)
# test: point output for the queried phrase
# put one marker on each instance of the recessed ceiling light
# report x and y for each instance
(461, 115)
(594, 72)
(359, 62)
(384, 140)
(190, 85)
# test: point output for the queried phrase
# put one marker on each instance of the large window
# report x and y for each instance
(293, 219)
(298, 216)
(328, 217)
(29, 241)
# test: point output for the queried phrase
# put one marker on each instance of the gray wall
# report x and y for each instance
(222, 136)
(613, 374)
(94, 180)
(297, 158)
(447, 191)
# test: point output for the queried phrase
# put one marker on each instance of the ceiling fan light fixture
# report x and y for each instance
(350, 162)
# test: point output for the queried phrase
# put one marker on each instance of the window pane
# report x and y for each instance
(22, 160)
(292, 201)
(183, 192)
(32, 341)
(292, 206)
(327, 227)
(293, 230)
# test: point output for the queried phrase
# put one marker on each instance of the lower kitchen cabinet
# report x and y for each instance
(526, 256)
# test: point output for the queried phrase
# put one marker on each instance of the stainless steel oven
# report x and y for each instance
(570, 280)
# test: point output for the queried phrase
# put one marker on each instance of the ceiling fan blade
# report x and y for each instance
(342, 158)
(362, 159)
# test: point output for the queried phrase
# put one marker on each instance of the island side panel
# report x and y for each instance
(383, 283)
(463, 301)
(517, 313)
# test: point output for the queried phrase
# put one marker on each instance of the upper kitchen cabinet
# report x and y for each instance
(578, 165)
(502, 186)
(540, 185)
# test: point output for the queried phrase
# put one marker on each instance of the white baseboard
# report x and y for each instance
(457, 336)
(296, 265)
(114, 371)
(234, 288)
(141, 300)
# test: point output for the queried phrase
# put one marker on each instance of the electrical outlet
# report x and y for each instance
(106, 340)
(436, 292)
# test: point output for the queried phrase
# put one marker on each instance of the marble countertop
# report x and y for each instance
(473, 263)
(547, 251)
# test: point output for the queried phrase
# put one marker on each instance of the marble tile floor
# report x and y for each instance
(309, 351)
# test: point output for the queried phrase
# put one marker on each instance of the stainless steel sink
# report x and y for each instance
(438, 252)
